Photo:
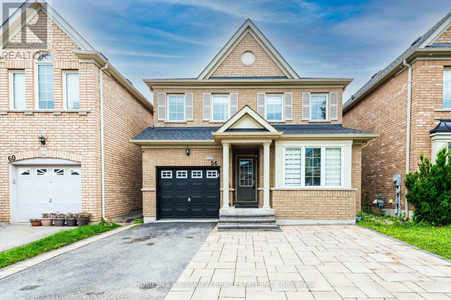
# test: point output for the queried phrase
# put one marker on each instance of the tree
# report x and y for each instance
(429, 189)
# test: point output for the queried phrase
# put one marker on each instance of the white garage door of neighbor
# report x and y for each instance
(46, 189)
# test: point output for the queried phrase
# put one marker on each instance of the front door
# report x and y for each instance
(246, 181)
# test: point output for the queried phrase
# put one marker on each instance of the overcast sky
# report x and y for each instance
(177, 38)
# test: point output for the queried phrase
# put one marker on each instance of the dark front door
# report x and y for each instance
(246, 181)
(187, 192)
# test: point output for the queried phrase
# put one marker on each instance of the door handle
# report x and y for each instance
(50, 200)
(189, 199)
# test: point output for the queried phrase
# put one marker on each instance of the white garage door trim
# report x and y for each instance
(32, 163)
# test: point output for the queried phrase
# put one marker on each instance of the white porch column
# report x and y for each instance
(225, 175)
(266, 175)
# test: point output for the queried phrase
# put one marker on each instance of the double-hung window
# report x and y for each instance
(44, 81)
(176, 108)
(447, 88)
(313, 166)
(274, 107)
(17, 89)
(220, 108)
(318, 107)
(71, 90)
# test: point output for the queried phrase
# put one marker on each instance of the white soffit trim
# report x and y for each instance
(248, 27)
(246, 110)
(436, 34)
(16, 23)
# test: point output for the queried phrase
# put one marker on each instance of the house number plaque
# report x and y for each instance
(11, 158)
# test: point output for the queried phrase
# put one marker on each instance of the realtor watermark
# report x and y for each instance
(33, 36)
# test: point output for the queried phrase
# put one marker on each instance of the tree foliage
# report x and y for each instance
(429, 189)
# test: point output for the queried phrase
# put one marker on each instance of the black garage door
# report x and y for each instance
(187, 192)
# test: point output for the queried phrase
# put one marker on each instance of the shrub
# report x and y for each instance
(429, 189)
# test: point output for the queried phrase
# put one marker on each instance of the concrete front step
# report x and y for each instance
(248, 226)
(247, 220)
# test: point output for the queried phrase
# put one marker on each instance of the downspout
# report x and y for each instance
(102, 147)
(409, 108)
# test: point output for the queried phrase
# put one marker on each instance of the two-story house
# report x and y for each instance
(66, 118)
(249, 137)
(409, 104)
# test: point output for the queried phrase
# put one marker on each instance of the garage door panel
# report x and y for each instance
(177, 185)
(47, 189)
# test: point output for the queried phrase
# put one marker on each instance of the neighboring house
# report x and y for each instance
(404, 103)
(66, 118)
(249, 132)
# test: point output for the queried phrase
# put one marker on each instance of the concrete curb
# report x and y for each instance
(20, 266)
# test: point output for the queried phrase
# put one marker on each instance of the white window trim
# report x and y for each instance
(327, 107)
(184, 107)
(36, 82)
(323, 167)
(266, 108)
(11, 88)
(181, 174)
(65, 89)
(210, 176)
(196, 172)
(211, 108)
(443, 89)
(162, 172)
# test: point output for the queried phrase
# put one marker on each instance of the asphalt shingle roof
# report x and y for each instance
(204, 133)
(379, 75)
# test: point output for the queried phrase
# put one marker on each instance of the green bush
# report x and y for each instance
(429, 189)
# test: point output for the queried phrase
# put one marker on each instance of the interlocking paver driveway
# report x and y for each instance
(311, 262)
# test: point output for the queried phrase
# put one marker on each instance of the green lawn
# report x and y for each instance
(52, 242)
(433, 239)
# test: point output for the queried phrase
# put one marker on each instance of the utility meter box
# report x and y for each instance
(397, 180)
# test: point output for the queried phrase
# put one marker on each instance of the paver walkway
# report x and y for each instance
(311, 262)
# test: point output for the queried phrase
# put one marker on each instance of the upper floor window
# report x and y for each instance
(274, 105)
(447, 88)
(318, 107)
(220, 108)
(71, 90)
(44, 81)
(17, 89)
(176, 108)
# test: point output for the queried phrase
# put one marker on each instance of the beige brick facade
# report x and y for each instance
(72, 135)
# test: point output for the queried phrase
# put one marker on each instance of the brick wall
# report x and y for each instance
(124, 118)
(445, 37)
(246, 96)
(233, 67)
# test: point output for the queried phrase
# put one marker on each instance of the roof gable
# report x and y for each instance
(246, 118)
(250, 33)
(27, 11)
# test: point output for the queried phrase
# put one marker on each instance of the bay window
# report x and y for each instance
(17, 89)
(274, 107)
(313, 166)
(447, 88)
(318, 107)
(176, 108)
(220, 108)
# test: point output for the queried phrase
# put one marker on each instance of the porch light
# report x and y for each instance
(42, 139)
(187, 150)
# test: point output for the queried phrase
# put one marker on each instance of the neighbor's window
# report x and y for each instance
(71, 90)
(333, 167)
(17, 89)
(293, 166)
(220, 105)
(318, 107)
(176, 108)
(274, 104)
(44, 87)
(313, 166)
(447, 88)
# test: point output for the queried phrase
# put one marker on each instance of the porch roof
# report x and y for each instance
(205, 133)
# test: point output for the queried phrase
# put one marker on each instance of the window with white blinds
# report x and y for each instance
(293, 160)
(333, 167)
(313, 167)
(17, 89)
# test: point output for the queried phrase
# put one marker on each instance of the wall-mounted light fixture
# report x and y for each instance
(42, 139)
(187, 150)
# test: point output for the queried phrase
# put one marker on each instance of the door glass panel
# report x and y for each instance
(246, 171)
(59, 172)
(41, 172)
(25, 172)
